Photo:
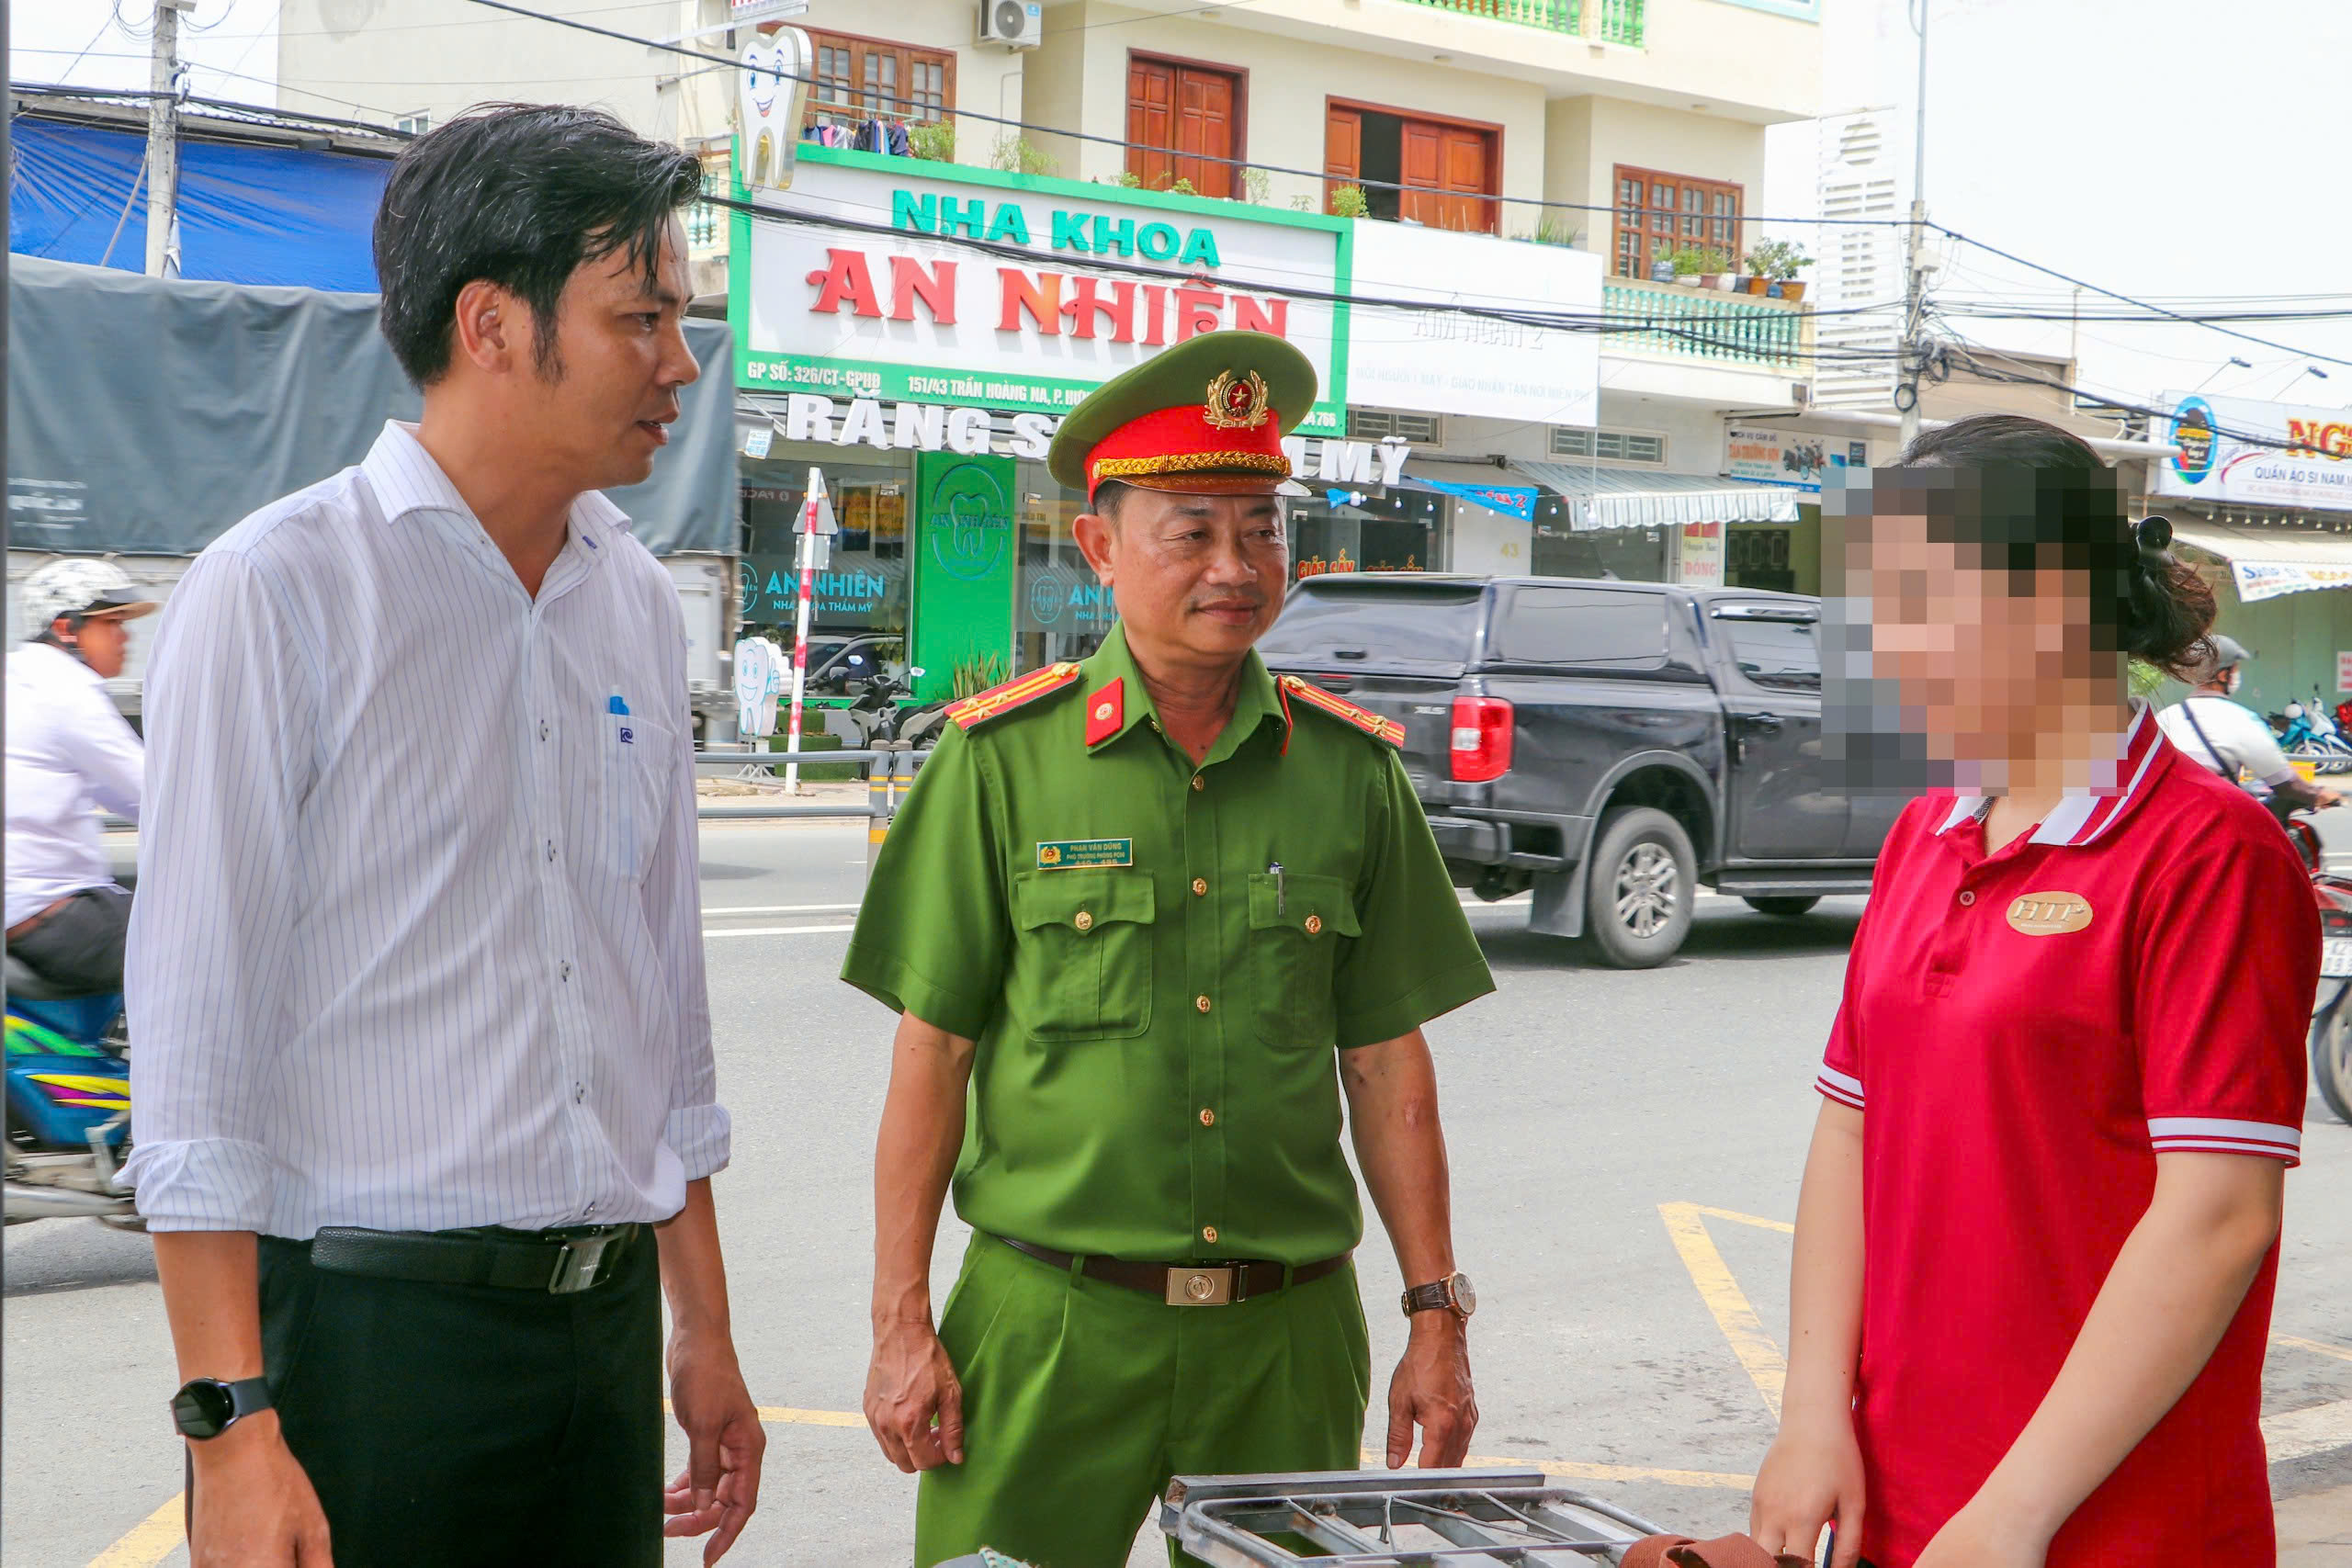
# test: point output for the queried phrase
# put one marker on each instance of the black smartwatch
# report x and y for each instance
(1453, 1293)
(207, 1407)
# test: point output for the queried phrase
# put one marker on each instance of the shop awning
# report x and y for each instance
(2267, 563)
(1482, 484)
(1622, 498)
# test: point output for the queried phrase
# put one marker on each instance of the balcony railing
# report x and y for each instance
(1554, 16)
(1621, 22)
(1735, 330)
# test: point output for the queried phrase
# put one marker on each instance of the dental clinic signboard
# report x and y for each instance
(905, 307)
(2300, 457)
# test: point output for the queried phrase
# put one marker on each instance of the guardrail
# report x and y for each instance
(889, 773)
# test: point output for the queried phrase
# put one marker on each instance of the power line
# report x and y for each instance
(871, 97)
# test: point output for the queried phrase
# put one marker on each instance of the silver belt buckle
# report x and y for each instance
(1201, 1285)
(577, 1265)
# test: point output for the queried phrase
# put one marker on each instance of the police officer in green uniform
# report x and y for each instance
(1147, 920)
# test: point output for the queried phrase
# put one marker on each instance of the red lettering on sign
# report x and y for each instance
(1155, 320)
(1198, 310)
(1261, 316)
(1085, 305)
(844, 278)
(909, 282)
(1041, 300)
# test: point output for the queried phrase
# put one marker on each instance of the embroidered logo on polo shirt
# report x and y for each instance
(2049, 914)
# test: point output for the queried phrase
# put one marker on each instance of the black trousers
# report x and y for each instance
(470, 1425)
(79, 947)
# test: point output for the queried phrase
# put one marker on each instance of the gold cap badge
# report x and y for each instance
(1236, 405)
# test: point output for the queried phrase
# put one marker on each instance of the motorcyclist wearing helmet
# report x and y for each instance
(70, 755)
(2226, 736)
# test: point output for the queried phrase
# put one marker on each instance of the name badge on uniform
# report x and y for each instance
(1067, 855)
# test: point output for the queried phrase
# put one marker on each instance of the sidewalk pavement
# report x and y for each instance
(2315, 1530)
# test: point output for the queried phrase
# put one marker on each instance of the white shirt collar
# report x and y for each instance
(406, 479)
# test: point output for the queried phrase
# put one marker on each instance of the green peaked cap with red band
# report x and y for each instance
(1207, 417)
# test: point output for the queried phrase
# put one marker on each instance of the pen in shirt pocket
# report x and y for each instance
(619, 711)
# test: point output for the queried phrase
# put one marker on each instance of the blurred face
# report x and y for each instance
(104, 642)
(1197, 579)
(603, 409)
(1984, 662)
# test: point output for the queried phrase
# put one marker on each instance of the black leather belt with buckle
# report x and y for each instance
(1221, 1283)
(560, 1262)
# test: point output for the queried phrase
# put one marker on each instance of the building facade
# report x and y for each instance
(1507, 230)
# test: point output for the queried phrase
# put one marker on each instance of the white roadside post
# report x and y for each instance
(816, 525)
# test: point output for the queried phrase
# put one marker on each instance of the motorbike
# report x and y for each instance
(68, 1072)
(879, 715)
(2331, 1035)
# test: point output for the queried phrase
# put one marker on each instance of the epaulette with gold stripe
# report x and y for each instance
(981, 707)
(1339, 708)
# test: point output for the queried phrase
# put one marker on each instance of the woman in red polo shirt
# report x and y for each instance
(2038, 1238)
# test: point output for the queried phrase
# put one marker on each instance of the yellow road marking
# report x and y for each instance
(2315, 1347)
(1757, 1351)
(150, 1540)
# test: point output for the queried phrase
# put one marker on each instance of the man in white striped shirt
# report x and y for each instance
(425, 1115)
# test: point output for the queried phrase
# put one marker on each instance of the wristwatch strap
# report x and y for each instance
(1437, 1296)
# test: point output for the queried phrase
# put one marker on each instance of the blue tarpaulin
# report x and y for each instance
(271, 216)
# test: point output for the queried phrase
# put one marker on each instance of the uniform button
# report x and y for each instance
(588, 1209)
(1202, 1003)
(1084, 922)
(1208, 1117)
(1208, 1234)
(1200, 782)
(1200, 886)
(1966, 899)
(1314, 925)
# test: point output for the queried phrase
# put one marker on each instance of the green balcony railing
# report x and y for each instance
(1621, 22)
(1554, 16)
(1694, 323)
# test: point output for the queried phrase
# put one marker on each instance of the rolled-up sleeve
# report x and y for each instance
(697, 1130)
(230, 698)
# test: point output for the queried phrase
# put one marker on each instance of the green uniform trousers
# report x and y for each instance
(1080, 1399)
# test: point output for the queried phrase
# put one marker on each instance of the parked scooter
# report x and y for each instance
(2331, 1036)
(68, 1104)
(876, 709)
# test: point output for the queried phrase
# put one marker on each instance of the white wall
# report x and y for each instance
(400, 57)
(1489, 543)
(1586, 137)
(1080, 78)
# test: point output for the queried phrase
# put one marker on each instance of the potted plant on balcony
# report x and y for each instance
(1688, 262)
(1776, 263)
(1758, 263)
(1661, 267)
(1714, 269)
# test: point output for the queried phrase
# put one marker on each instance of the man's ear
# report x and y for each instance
(493, 328)
(1093, 532)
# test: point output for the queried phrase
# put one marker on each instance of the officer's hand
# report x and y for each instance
(1432, 1387)
(913, 1400)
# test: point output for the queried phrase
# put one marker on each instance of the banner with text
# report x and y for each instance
(898, 310)
(2301, 456)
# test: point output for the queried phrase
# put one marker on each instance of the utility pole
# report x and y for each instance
(164, 141)
(1915, 289)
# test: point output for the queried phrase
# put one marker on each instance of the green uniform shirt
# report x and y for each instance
(1155, 1006)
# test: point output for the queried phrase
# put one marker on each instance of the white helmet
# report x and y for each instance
(80, 585)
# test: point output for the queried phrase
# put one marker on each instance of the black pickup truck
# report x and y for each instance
(1611, 745)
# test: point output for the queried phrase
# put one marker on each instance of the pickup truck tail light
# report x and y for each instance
(1482, 731)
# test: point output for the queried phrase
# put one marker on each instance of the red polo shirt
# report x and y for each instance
(2025, 1032)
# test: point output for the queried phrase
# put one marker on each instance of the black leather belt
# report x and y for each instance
(557, 1261)
(1189, 1284)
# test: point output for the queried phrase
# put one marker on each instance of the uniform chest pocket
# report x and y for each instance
(1296, 924)
(1081, 959)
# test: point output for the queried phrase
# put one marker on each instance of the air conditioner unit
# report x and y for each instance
(1801, 393)
(1014, 23)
